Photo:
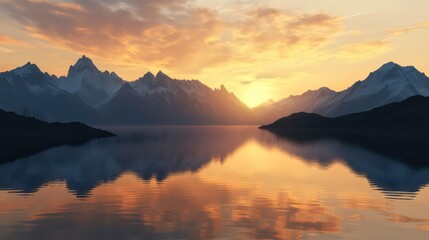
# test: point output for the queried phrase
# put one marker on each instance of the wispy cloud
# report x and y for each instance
(7, 40)
(356, 15)
(7, 50)
(414, 28)
(365, 50)
(246, 82)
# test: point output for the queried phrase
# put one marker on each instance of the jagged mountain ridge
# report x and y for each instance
(390, 83)
(88, 95)
(181, 101)
(97, 97)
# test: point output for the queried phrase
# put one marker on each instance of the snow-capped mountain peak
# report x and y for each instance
(163, 79)
(149, 84)
(163, 84)
(388, 66)
(90, 84)
(149, 75)
(83, 64)
(28, 68)
(394, 72)
(161, 75)
(391, 74)
(146, 81)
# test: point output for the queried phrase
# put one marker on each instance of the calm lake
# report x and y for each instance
(212, 183)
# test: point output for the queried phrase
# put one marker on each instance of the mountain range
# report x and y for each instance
(26, 90)
(390, 83)
(91, 96)
(162, 100)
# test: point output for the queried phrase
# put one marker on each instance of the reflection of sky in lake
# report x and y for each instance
(212, 183)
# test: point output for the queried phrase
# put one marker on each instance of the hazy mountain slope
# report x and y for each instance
(124, 107)
(390, 83)
(410, 116)
(162, 100)
(310, 101)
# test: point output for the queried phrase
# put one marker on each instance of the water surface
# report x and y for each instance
(212, 183)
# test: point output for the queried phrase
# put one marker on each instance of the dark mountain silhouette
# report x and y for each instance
(22, 136)
(397, 129)
(390, 83)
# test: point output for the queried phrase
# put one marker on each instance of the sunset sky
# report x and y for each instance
(257, 49)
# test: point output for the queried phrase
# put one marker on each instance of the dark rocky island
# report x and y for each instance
(398, 129)
(23, 136)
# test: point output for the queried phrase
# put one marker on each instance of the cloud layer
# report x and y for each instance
(174, 34)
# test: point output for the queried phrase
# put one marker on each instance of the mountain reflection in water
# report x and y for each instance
(212, 183)
(396, 177)
(152, 152)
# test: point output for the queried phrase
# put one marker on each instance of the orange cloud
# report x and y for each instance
(6, 40)
(171, 34)
(265, 29)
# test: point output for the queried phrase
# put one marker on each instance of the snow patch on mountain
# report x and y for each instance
(28, 68)
(90, 84)
(162, 84)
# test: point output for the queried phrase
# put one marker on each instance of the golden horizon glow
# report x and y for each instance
(258, 50)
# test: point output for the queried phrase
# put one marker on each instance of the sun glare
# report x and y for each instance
(254, 96)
